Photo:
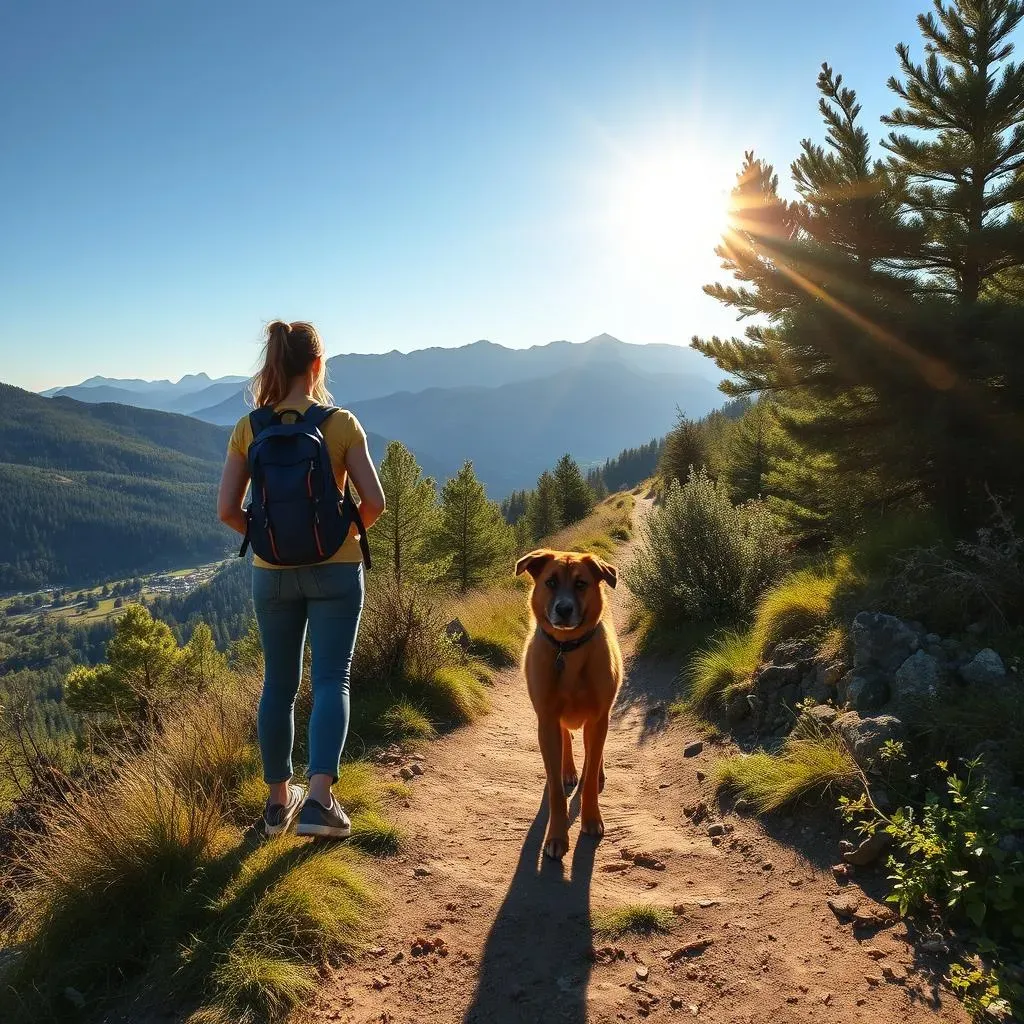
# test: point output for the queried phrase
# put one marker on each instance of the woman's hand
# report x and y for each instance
(234, 481)
(364, 476)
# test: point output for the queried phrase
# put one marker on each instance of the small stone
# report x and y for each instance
(398, 957)
(693, 749)
(894, 974)
(767, 866)
(696, 812)
(873, 980)
(827, 998)
(694, 948)
(701, 776)
(707, 903)
(417, 769)
(616, 865)
(716, 828)
(380, 983)
(844, 907)
(741, 806)
(936, 945)
(792, 1000)
(865, 917)
(875, 953)
(643, 973)
(377, 951)
(869, 850)
(406, 773)
(841, 871)
(421, 872)
(676, 1002)
(647, 860)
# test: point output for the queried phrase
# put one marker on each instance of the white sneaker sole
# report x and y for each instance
(330, 831)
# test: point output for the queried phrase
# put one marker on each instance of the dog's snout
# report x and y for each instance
(564, 609)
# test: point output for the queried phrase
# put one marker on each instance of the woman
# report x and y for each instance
(327, 596)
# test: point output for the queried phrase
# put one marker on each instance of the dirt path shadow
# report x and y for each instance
(535, 964)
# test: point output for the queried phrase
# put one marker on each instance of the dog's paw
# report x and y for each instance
(569, 782)
(592, 825)
(556, 847)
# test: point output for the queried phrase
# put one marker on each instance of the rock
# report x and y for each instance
(693, 749)
(398, 957)
(874, 980)
(73, 996)
(417, 769)
(934, 945)
(421, 872)
(844, 907)
(767, 866)
(918, 678)
(869, 850)
(616, 865)
(676, 1002)
(643, 973)
(894, 974)
(773, 678)
(696, 812)
(647, 860)
(864, 690)
(865, 737)
(701, 776)
(741, 806)
(407, 773)
(456, 632)
(881, 641)
(841, 872)
(985, 667)
(738, 709)
(822, 714)
(716, 828)
(692, 949)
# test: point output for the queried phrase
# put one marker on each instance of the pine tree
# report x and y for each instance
(471, 532)
(685, 450)
(575, 498)
(596, 483)
(141, 677)
(747, 455)
(401, 536)
(544, 511)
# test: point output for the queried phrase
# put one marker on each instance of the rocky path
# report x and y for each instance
(482, 929)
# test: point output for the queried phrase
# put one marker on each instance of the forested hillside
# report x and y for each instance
(96, 492)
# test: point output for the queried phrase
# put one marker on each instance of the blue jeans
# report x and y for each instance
(330, 599)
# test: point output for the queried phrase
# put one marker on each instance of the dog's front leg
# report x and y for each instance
(594, 734)
(549, 736)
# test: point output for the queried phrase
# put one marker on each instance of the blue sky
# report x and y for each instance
(404, 174)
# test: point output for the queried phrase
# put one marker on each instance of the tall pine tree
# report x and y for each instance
(544, 510)
(574, 494)
(471, 532)
(403, 533)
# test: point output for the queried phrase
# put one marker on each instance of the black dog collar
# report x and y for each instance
(565, 646)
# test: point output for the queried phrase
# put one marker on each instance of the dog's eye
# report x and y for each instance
(580, 584)
(551, 583)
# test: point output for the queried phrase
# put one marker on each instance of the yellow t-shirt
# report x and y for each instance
(341, 431)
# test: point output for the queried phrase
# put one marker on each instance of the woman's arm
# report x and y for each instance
(361, 469)
(233, 483)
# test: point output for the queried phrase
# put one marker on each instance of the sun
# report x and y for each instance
(666, 210)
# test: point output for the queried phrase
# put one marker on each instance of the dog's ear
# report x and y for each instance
(602, 570)
(534, 562)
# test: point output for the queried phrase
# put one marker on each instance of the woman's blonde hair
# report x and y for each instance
(288, 352)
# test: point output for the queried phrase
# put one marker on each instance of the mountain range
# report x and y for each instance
(96, 483)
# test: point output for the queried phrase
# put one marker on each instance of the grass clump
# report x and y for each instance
(798, 605)
(635, 919)
(725, 667)
(804, 765)
(496, 621)
(404, 721)
(457, 693)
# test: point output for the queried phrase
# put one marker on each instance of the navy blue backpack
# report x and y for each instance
(296, 515)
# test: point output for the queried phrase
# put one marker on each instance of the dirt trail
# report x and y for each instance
(517, 927)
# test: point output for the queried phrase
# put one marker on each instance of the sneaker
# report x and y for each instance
(277, 817)
(317, 820)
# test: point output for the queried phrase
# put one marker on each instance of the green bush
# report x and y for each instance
(702, 558)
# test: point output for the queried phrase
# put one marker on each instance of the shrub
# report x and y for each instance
(980, 580)
(795, 607)
(456, 693)
(701, 557)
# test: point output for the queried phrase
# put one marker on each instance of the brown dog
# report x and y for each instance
(573, 668)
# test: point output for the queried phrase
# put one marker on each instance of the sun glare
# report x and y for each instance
(666, 211)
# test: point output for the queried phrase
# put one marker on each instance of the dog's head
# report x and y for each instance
(567, 592)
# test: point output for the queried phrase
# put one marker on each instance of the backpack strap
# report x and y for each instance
(318, 415)
(357, 519)
(260, 419)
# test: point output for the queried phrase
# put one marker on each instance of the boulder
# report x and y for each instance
(881, 641)
(457, 633)
(918, 678)
(822, 714)
(865, 737)
(864, 690)
(985, 667)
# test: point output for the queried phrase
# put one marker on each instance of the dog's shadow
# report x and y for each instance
(536, 961)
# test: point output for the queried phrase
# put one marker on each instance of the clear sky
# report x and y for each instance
(176, 173)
